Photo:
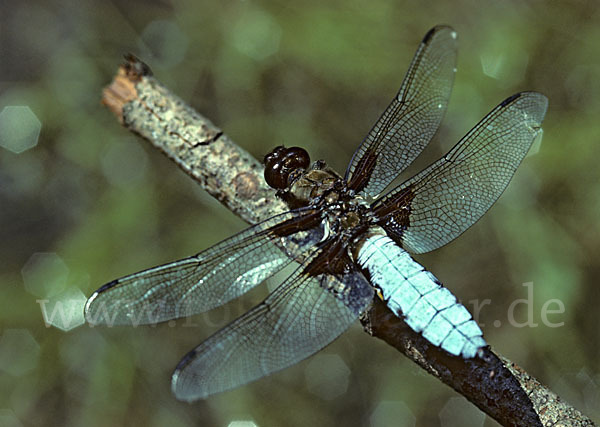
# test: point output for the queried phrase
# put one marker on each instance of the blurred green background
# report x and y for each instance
(90, 202)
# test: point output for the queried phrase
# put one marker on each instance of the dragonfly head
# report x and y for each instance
(281, 162)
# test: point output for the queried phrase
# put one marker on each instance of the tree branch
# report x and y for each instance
(497, 386)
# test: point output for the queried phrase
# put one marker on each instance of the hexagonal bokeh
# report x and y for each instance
(581, 387)
(242, 423)
(392, 412)
(19, 352)
(459, 412)
(19, 128)
(327, 376)
(537, 144)
(45, 274)
(497, 64)
(65, 310)
(492, 64)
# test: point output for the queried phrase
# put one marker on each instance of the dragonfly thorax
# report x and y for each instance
(286, 169)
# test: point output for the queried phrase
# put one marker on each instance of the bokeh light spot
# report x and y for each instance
(497, 64)
(19, 352)
(257, 35)
(395, 413)
(492, 64)
(242, 423)
(19, 129)
(327, 376)
(458, 412)
(537, 144)
(65, 310)
(581, 387)
(45, 274)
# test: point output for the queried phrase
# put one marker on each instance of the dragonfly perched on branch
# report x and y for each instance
(351, 249)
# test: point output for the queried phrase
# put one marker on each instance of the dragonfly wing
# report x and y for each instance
(209, 279)
(303, 315)
(411, 119)
(441, 202)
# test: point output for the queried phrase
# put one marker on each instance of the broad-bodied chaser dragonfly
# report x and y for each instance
(350, 248)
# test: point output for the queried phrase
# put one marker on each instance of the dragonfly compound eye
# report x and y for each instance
(282, 161)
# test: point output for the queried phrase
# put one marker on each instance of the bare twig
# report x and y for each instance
(231, 175)
(222, 168)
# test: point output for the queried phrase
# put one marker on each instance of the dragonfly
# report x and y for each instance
(351, 239)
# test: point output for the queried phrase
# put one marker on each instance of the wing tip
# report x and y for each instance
(88, 308)
(511, 98)
(538, 99)
(106, 287)
(438, 29)
(529, 94)
(177, 387)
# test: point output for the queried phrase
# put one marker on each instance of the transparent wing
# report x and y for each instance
(300, 317)
(438, 204)
(412, 118)
(209, 279)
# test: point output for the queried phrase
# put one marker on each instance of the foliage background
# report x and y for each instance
(313, 74)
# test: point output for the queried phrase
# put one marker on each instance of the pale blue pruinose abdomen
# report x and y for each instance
(414, 294)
